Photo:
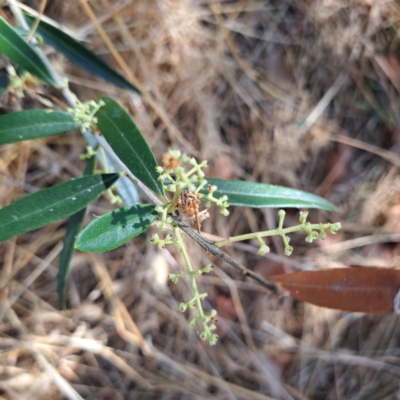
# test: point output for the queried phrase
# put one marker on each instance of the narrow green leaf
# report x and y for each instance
(48, 205)
(259, 195)
(80, 55)
(128, 143)
(73, 228)
(34, 124)
(22, 53)
(115, 228)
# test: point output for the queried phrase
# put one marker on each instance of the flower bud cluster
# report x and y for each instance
(19, 83)
(209, 322)
(84, 113)
(192, 303)
(175, 277)
(161, 243)
(222, 201)
(313, 233)
(177, 176)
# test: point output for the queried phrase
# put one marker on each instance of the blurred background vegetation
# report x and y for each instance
(298, 93)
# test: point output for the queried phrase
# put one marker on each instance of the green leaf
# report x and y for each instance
(115, 228)
(34, 124)
(128, 143)
(22, 53)
(259, 195)
(48, 205)
(73, 228)
(80, 55)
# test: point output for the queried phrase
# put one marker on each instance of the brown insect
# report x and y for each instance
(189, 202)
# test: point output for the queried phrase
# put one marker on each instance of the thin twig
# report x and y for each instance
(215, 251)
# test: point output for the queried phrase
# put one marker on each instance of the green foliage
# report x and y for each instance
(179, 186)
(22, 53)
(34, 124)
(80, 55)
(115, 228)
(73, 228)
(128, 143)
(259, 195)
(52, 204)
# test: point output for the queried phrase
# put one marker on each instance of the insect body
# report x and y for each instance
(189, 202)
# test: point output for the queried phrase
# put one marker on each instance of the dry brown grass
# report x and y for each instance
(284, 92)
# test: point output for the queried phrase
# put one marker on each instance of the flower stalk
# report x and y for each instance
(313, 231)
(206, 320)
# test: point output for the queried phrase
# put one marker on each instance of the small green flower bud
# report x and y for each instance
(322, 234)
(288, 250)
(183, 307)
(173, 277)
(264, 249)
(335, 227)
(207, 268)
(191, 304)
(303, 217)
(213, 339)
(159, 169)
(311, 237)
(184, 158)
(192, 323)
(224, 211)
